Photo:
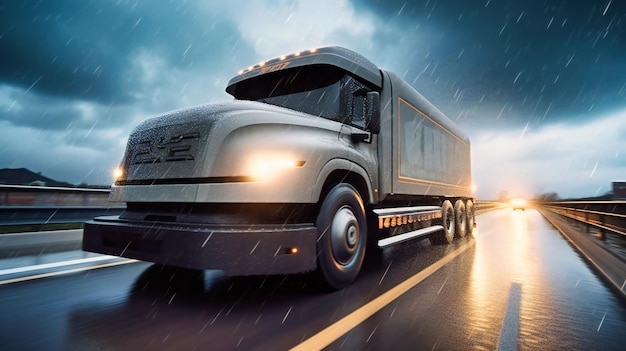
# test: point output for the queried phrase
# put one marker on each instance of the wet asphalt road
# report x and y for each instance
(517, 284)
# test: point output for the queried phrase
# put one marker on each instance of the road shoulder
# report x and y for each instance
(610, 267)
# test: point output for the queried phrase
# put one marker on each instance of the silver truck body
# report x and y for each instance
(255, 185)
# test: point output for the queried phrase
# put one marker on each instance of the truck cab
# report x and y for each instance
(319, 154)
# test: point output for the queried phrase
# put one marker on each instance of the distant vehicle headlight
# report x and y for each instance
(518, 203)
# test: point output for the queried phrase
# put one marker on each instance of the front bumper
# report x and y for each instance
(235, 249)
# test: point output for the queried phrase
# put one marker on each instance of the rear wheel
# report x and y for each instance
(342, 236)
(447, 219)
(471, 216)
(460, 218)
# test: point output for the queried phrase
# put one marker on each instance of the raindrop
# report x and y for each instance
(593, 171)
(524, 131)
(604, 316)
(442, 285)
(402, 8)
(136, 23)
(287, 314)
(187, 50)
(604, 13)
(371, 334)
(502, 29)
(384, 274)
(32, 85)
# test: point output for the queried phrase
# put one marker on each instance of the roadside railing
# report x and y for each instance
(23, 195)
(42, 215)
(597, 229)
(35, 208)
(484, 206)
(607, 216)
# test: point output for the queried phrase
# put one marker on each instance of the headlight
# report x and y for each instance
(118, 173)
(262, 167)
(518, 202)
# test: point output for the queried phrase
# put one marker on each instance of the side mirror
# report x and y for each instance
(372, 112)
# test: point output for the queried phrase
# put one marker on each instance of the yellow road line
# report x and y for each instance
(52, 274)
(349, 322)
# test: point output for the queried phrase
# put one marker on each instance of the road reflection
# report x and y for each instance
(461, 305)
(168, 308)
(561, 299)
(484, 304)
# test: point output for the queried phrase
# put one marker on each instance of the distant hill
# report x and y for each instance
(23, 176)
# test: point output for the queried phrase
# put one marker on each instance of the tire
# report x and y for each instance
(460, 218)
(342, 236)
(446, 236)
(471, 217)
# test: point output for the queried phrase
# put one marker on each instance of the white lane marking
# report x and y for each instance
(338, 329)
(509, 333)
(52, 274)
(55, 264)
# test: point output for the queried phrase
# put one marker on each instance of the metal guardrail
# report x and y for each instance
(23, 195)
(484, 206)
(41, 215)
(608, 216)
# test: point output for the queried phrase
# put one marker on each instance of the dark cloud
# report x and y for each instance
(36, 111)
(76, 76)
(84, 49)
(537, 61)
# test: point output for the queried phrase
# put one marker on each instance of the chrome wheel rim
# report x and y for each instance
(344, 235)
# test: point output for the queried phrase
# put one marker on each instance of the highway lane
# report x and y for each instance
(516, 284)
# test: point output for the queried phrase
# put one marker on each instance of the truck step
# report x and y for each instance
(396, 239)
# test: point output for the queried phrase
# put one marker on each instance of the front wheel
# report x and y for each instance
(342, 236)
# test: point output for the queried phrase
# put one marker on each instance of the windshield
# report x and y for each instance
(315, 90)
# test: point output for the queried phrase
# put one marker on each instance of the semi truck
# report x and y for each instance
(320, 157)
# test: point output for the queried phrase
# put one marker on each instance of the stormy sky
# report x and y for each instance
(539, 86)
